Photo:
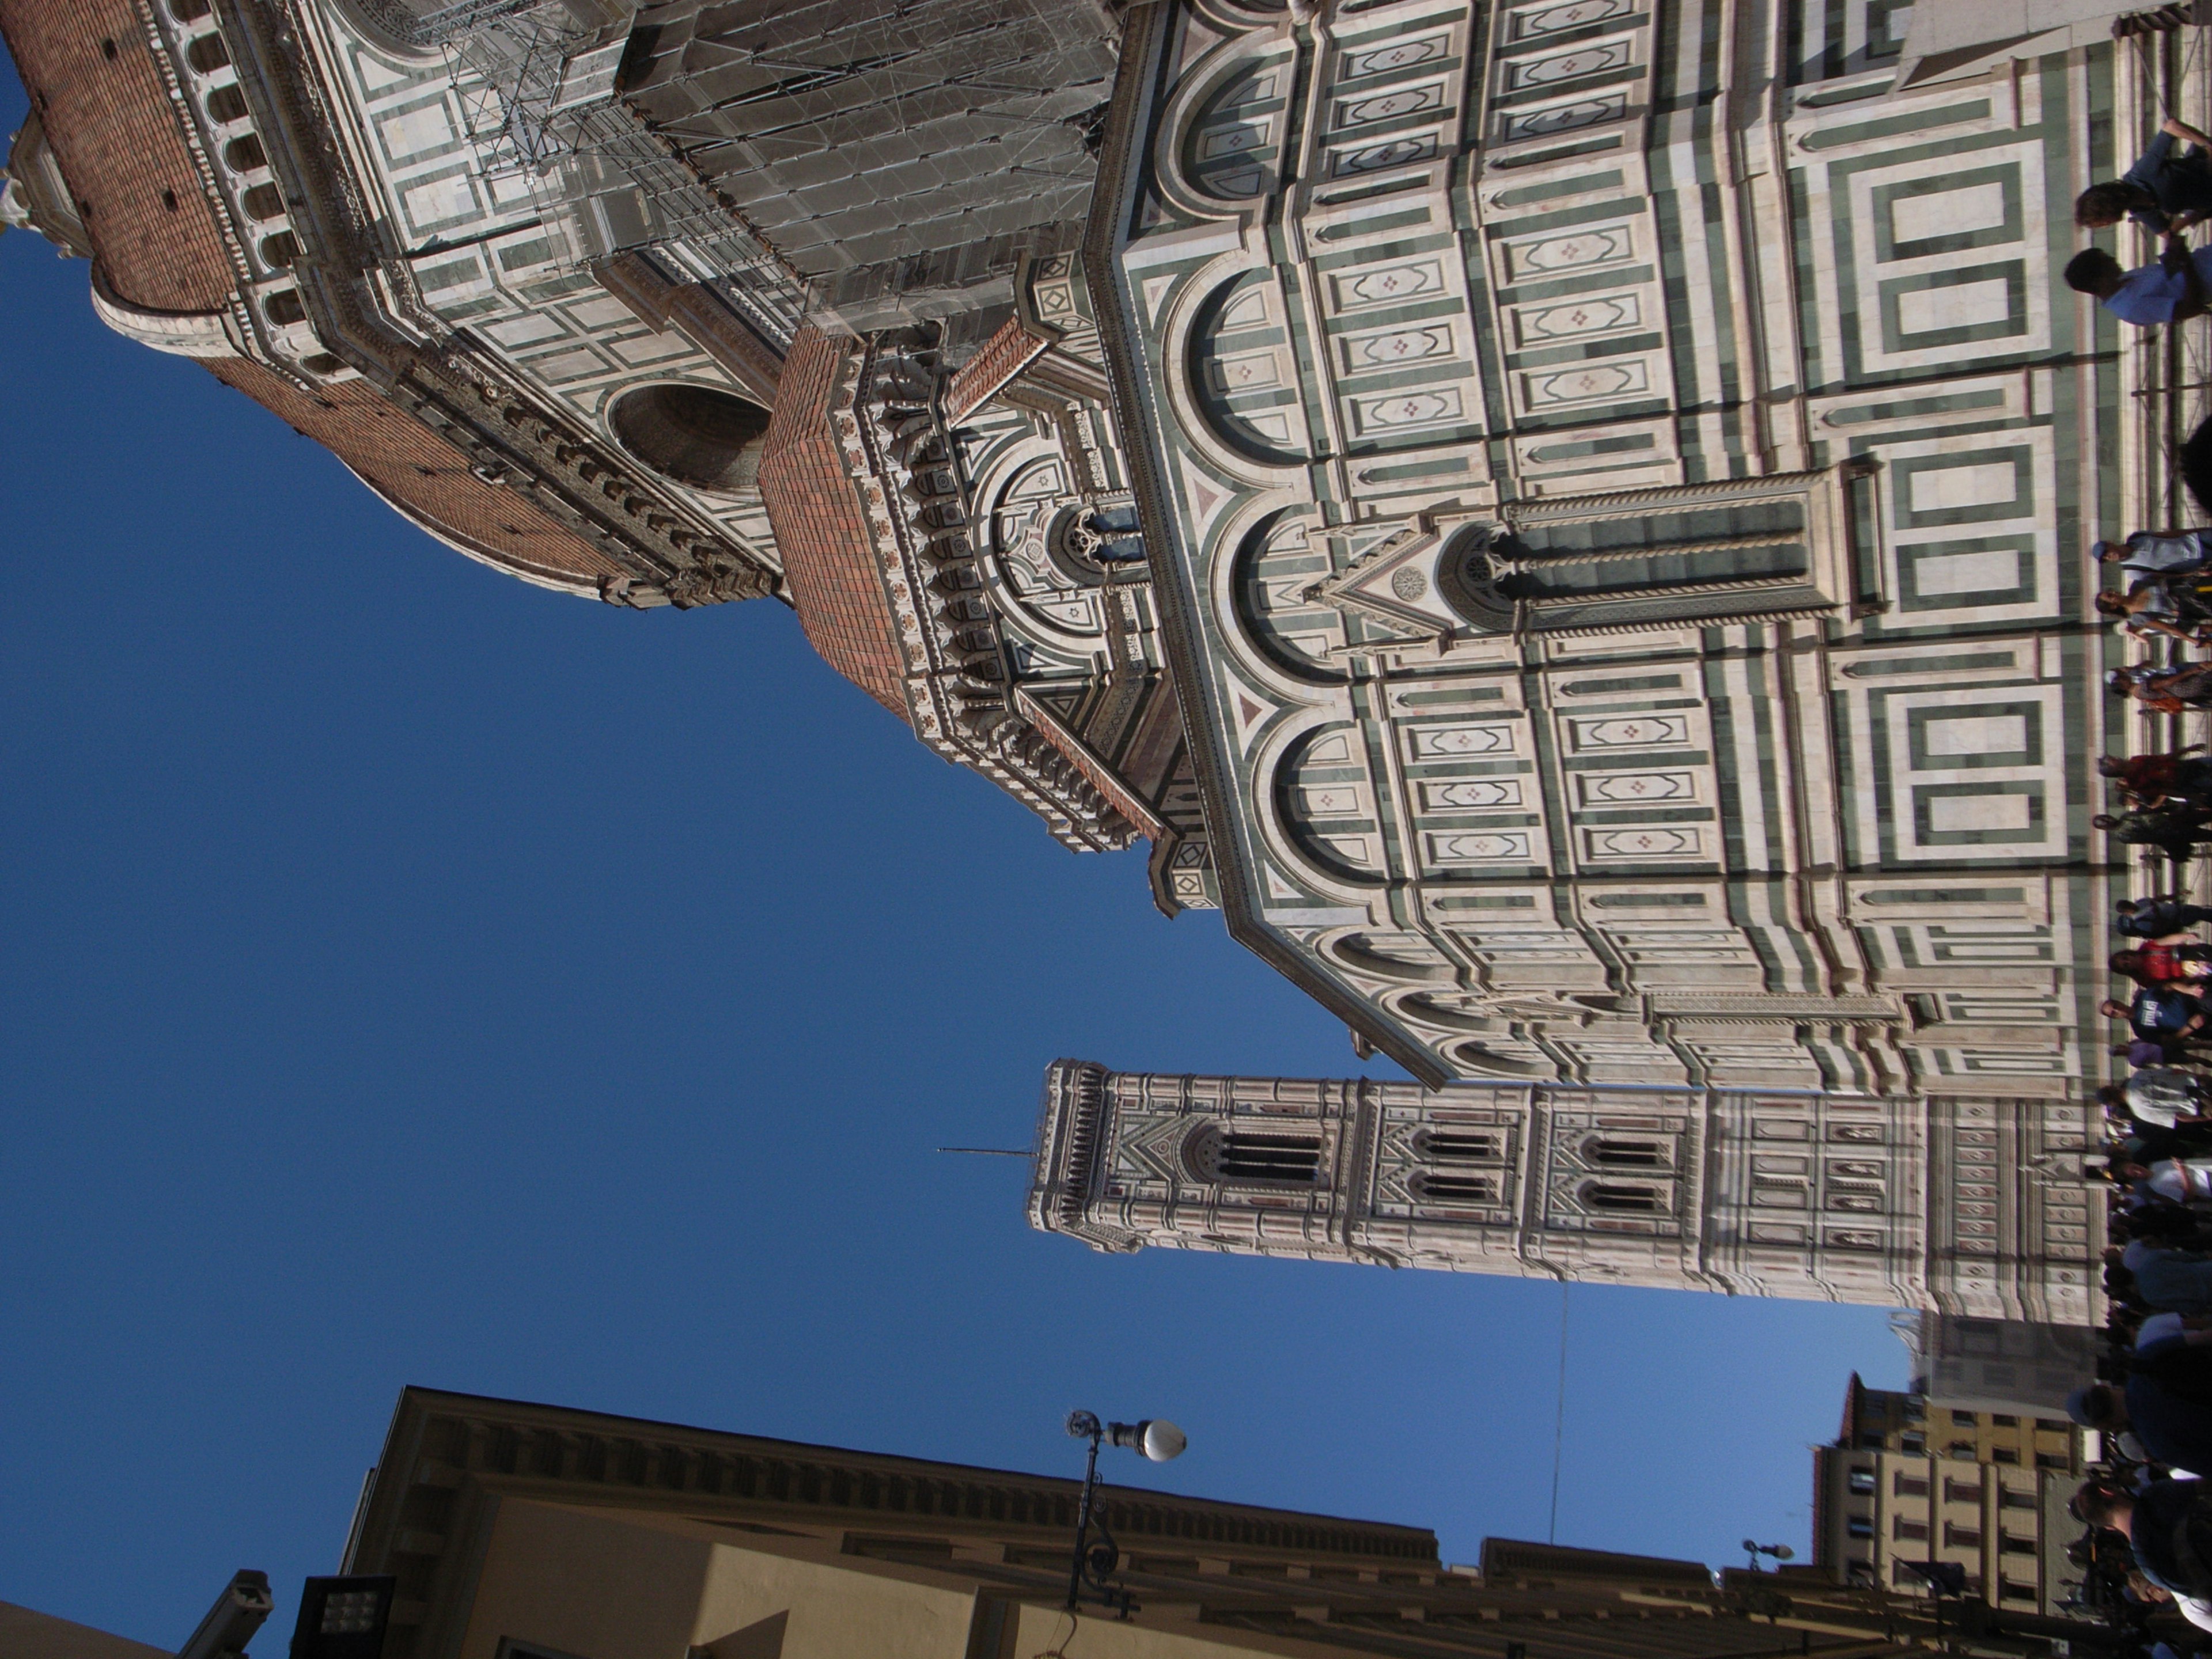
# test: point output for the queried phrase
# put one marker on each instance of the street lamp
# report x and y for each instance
(1779, 1552)
(1154, 1437)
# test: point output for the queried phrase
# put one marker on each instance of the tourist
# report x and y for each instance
(2164, 917)
(2164, 964)
(2160, 1013)
(2167, 190)
(2157, 1520)
(2160, 1095)
(2153, 778)
(2166, 1403)
(2171, 1281)
(2173, 830)
(2168, 690)
(2151, 607)
(2157, 554)
(2172, 289)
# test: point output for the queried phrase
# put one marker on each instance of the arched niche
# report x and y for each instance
(1244, 372)
(693, 435)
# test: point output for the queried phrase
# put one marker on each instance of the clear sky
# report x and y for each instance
(413, 977)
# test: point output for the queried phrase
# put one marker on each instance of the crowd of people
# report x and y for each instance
(2148, 1507)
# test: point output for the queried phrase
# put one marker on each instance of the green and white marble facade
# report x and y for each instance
(1758, 757)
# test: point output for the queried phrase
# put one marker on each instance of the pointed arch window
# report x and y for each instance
(1454, 1186)
(1614, 1152)
(1234, 1154)
(1456, 1146)
(1622, 1197)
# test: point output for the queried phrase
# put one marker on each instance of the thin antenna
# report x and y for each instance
(988, 1151)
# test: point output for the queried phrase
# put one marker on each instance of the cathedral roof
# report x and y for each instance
(109, 121)
(425, 478)
(159, 245)
(828, 560)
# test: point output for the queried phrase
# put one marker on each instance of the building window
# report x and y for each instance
(1863, 1480)
(1961, 1491)
(1963, 1448)
(1434, 1188)
(2012, 1591)
(2051, 1424)
(1961, 1538)
(2010, 1499)
(1912, 1442)
(2014, 1546)
(1910, 1485)
(1915, 1409)
(1908, 1530)
(2050, 1460)
(1278, 1156)
(1963, 1419)
(1620, 1195)
(2000, 1420)
(1621, 1152)
(2004, 1454)
(1860, 1526)
(1456, 1146)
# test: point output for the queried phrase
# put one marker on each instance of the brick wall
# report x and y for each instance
(121, 146)
(424, 475)
(829, 555)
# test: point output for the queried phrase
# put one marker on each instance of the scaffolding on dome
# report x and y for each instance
(537, 96)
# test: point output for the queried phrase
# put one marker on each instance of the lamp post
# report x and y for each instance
(1155, 1437)
(1779, 1552)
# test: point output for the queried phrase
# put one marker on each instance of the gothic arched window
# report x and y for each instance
(1433, 1187)
(1456, 1146)
(1233, 1153)
(1621, 1195)
(1619, 1153)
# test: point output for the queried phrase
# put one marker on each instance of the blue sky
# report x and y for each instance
(411, 976)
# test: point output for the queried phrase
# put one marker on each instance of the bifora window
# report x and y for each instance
(1624, 1152)
(1438, 1187)
(1456, 1146)
(1235, 1153)
(1621, 1196)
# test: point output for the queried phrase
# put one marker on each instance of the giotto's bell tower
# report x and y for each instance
(1958, 1205)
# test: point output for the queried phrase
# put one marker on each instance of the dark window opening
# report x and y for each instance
(1616, 1195)
(263, 202)
(1220, 1154)
(285, 308)
(1616, 1154)
(225, 104)
(1458, 1146)
(207, 54)
(1861, 1481)
(245, 154)
(1454, 1188)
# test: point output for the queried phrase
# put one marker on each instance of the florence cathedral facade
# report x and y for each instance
(1562, 520)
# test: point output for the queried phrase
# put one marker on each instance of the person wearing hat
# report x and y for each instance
(2166, 1403)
